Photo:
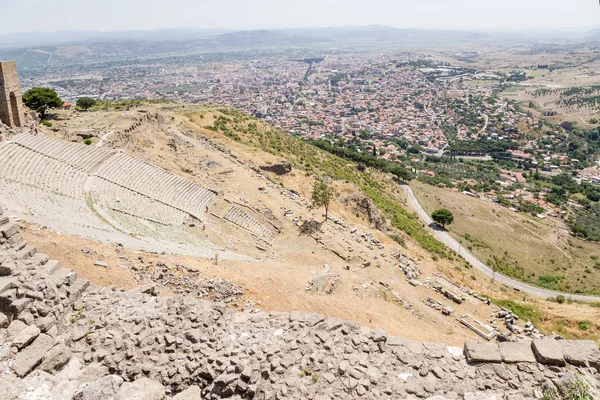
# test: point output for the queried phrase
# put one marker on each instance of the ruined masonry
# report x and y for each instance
(11, 106)
(61, 338)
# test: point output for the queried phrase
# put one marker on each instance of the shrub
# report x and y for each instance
(47, 123)
(87, 141)
(560, 299)
(584, 325)
(85, 103)
(576, 390)
(398, 239)
(310, 227)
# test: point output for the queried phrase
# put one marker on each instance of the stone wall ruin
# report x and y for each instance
(11, 106)
(61, 338)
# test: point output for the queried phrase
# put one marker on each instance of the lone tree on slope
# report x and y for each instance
(442, 217)
(40, 99)
(85, 103)
(322, 195)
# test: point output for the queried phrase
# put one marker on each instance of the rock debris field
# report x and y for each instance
(61, 338)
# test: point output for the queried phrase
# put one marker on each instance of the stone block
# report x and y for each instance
(581, 352)
(482, 352)
(414, 346)
(142, 389)
(33, 355)
(482, 396)
(56, 359)
(51, 267)
(395, 341)
(104, 388)
(45, 323)
(9, 230)
(519, 352)
(7, 283)
(3, 321)
(17, 306)
(548, 351)
(7, 269)
(191, 393)
(15, 327)
(25, 253)
(25, 336)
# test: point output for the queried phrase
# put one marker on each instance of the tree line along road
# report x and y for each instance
(445, 237)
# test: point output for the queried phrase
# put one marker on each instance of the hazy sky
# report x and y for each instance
(106, 15)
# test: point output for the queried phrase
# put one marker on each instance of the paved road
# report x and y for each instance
(444, 237)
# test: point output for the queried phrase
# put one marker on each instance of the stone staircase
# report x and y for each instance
(244, 220)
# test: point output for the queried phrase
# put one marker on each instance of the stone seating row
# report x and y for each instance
(244, 220)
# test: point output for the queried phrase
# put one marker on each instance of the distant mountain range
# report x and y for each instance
(34, 48)
(29, 39)
(228, 36)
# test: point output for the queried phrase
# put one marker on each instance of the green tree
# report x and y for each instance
(442, 217)
(322, 195)
(40, 99)
(85, 103)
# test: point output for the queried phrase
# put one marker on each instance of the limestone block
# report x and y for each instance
(142, 389)
(9, 230)
(482, 352)
(56, 359)
(26, 336)
(516, 352)
(30, 357)
(581, 352)
(548, 351)
(104, 388)
(7, 283)
(191, 393)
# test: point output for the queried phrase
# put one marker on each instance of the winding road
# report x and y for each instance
(445, 237)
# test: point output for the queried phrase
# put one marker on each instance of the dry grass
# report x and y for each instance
(539, 247)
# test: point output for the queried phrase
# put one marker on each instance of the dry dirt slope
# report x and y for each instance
(184, 140)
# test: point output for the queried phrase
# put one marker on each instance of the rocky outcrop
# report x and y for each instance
(366, 206)
(68, 340)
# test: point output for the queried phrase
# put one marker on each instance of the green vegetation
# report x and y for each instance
(303, 155)
(124, 104)
(85, 103)
(47, 123)
(321, 195)
(576, 390)
(475, 243)
(524, 311)
(495, 148)
(584, 325)
(40, 99)
(442, 217)
(398, 239)
(365, 159)
(586, 222)
(506, 266)
(87, 141)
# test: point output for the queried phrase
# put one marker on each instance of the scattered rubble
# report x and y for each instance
(82, 342)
